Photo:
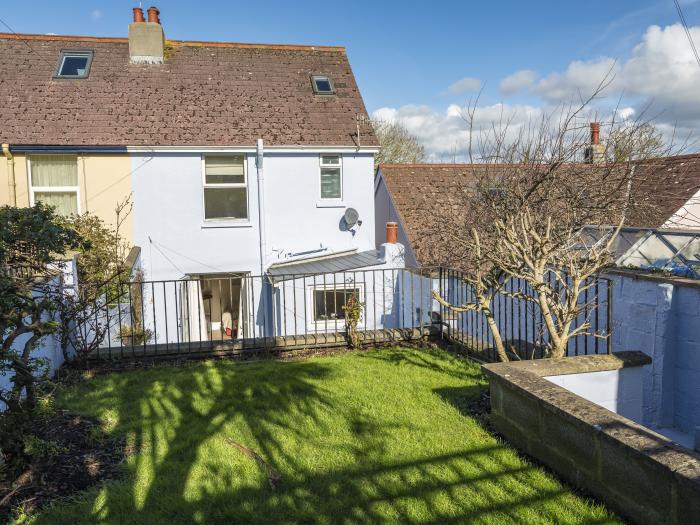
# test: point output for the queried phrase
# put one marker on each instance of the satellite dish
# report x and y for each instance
(351, 216)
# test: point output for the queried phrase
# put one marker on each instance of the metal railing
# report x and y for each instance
(520, 322)
(243, 311)
(235, 312)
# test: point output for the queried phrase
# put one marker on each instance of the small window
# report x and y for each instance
(225, 188)
(54, 181)
(331, 177)
(322, 85)
(328, 303)
(74, 64)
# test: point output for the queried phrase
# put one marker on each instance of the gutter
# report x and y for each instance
(12, 185)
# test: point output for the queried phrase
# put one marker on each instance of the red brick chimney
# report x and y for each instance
(138, 15)
(153, 15)
(392, 233)
(595, 151)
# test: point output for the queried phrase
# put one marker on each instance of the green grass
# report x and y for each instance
(372, 437)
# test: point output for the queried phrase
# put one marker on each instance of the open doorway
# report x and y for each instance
(213, 306)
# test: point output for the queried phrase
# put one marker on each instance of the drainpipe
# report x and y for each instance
(10, 174)
(261, 226)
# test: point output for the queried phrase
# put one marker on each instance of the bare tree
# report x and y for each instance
(397, 145)
(521, 219)
(629, 141)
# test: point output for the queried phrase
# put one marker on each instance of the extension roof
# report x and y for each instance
(205, 94)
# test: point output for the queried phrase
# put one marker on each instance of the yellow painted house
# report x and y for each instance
(76, 183)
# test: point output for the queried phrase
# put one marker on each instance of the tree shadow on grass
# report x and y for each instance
(185, 472)
(431, 359)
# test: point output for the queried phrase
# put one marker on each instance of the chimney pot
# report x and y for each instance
(392, 233)
(138, 15)
(595, 132)
(153, 17)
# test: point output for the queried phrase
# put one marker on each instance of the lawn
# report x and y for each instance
(376, 437)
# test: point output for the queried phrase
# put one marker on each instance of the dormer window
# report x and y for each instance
(74, 64)
(322, 85)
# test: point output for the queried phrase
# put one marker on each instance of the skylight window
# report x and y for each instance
(322, 85)
(74, 64)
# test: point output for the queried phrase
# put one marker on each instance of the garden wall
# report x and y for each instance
(640, 474)
(48, 349)
(660, 316)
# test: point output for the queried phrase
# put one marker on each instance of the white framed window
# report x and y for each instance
(225, 188)
(331, 177)
(328, 302)
(53, 180)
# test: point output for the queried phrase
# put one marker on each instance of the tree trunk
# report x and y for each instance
(493, 326)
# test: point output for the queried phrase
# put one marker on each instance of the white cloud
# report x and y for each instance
(96, 14)
(660, 81)
(663, 68)
(465, 84)
(518, 81)
(579, 81)
(445, 134)
(626, 113)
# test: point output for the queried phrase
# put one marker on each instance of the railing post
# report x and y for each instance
(609, 315)
(440, 305)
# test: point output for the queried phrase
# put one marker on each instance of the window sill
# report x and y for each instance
(330, 203)
(226, 224)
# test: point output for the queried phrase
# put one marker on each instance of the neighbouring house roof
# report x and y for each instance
(416, 188)
(665, 185)
(206, 93)
(660, 188)
(328, 264)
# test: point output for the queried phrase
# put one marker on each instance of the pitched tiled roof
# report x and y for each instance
(417, 188)
(208, 94)
(423, 193)
(661, 187)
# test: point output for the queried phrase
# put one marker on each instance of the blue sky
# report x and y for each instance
(407, 54)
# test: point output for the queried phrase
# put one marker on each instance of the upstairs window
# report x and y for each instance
(54, 181)
(322, 85)
(331, 177)
(74, 64)
(225, 188)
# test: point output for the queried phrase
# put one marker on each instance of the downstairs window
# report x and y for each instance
(328, 303)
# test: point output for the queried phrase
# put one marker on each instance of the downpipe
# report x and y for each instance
(262, 229)
(12, 186)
